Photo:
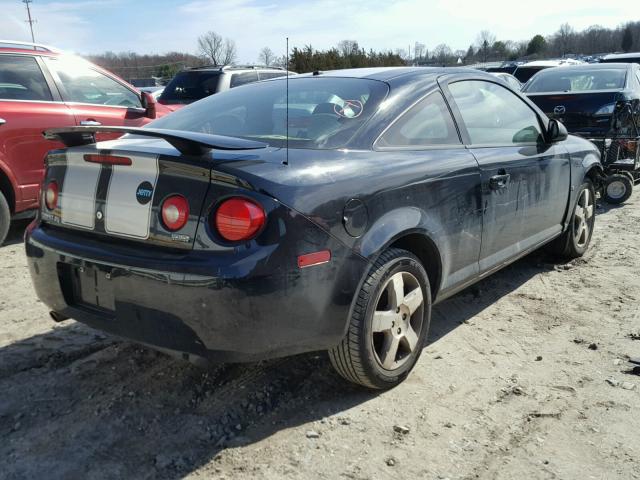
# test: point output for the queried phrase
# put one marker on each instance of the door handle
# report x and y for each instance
(498, 182)
(2, 121)
(90, 123)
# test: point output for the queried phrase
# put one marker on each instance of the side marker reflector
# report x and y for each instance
(315, 258)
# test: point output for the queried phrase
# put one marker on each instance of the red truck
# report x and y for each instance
(42, 88)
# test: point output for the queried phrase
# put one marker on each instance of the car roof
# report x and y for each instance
(593, 66)
(620, 56)
(15, 46)
(552, 63)
(388, 73)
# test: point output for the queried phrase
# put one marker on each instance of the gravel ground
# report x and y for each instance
(525, 376)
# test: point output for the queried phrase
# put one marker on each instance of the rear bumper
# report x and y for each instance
(251, 308)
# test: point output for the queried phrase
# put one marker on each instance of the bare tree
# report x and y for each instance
(221, 51)
(348, 47)
(484, 42)
(564, 38)
(267, 57)
(442, 53)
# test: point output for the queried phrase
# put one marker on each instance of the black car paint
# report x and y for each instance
(248, 301)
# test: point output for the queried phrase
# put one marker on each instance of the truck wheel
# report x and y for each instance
(389, 323)
(574, 242)
(5, 218)
(617, 188)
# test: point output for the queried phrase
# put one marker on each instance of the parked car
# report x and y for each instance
(388, 190)
(154, 91)
(42, 88)
(194, 84)
(600, 102)
(525, 71)
(621, 58)
(509, 79)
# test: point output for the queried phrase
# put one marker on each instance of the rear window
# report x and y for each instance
(582, 80)
(523, 74)
(324, 112)
(187, 87)
(22, 79)
(238, 79)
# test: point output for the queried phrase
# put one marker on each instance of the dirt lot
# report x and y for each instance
(524, 377)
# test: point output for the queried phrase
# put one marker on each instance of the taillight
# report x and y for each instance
(107, 159)
(239, 219)
(51, 195)
(175, 212)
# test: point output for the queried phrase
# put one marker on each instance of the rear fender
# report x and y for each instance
(396, 224)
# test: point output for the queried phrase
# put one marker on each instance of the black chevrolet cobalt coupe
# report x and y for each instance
(256, 224)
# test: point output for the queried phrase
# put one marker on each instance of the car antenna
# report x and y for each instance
(286, 160)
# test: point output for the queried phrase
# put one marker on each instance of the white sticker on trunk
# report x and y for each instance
(78, 196)
(130, 197)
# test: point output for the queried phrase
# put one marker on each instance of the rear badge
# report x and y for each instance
(144, 192)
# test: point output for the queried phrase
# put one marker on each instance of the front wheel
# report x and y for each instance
(5, 218)
(389, 323)
(617, 188)
(574, 242)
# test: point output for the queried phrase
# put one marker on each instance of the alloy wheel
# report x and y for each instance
(583, 218)
(398, 320)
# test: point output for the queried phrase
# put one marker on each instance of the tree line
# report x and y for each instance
(213, 49)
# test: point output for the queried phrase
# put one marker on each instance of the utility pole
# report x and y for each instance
(30, 21)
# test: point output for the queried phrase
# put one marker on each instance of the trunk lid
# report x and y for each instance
(118, 192)
(586, 114)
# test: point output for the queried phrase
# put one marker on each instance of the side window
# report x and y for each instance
(266, 75)
(22, 79)
(85, 85)
(238, 79)
(426, 123)
(494, 115)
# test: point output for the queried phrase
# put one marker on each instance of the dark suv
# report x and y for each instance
(43, 88)
(194, 84)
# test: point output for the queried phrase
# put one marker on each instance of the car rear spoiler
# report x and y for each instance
(187, 143)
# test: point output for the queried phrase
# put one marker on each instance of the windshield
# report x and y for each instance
(582, 80)
(324, 112)
(187, 87)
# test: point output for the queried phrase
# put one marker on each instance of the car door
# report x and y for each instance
(96, 98)
(525, 180)
(28, 105)
(446, 183)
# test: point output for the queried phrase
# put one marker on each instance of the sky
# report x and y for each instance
(159, 26)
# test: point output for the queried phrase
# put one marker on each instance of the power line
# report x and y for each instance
(30, 20)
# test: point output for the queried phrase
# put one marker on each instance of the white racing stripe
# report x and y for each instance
(77, 198)
(124, 215)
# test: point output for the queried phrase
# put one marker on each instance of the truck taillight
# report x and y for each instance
(175, 212)
(239, 219)
(51, 195)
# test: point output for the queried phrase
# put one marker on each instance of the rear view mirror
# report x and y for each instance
(556, 131)
(149, 105)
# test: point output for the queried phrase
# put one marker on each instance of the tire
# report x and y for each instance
(617, 188)
(379, 351)
(574, 242)
(5, 218)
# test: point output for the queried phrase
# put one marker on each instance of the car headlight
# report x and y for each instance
(606, 110)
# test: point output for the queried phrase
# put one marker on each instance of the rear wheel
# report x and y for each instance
(5, 218)
(617, 188)
(389, 323)
(574, 242)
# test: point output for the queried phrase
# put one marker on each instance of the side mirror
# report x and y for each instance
(556, 131)
(149, 105)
